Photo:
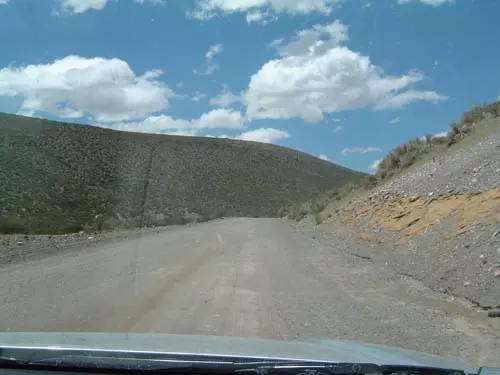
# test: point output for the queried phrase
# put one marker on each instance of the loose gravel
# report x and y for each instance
(19, 248)
(459, 170)
(465, 265)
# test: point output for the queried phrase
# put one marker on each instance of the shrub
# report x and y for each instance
(407, 154)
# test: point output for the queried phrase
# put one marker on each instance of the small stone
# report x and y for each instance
(495, 234)
(497, 273)
(481, 256)
(494, 314)
(20, 243)
(414, 198)
(431, 194)
(90, 238)
(467, 283)
(498, 251)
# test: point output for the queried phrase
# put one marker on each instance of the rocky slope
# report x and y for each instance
(438, 222)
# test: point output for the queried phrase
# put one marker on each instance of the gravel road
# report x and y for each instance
(239, 277)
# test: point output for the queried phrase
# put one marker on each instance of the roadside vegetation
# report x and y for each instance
(415, 150)
(62, 178)
(402, 157)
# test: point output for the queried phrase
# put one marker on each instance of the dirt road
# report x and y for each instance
(238, 277)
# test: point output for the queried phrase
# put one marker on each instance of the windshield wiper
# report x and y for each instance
(11, 361)
(223, 366)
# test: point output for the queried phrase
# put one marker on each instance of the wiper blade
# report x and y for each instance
(11, 361)
(126, 363)
(214, 365)
(224, 366)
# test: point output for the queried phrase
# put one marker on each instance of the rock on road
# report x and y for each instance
(237, 277)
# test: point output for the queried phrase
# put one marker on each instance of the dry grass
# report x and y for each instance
(407, 154)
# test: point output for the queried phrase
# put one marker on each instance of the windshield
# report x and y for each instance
(305, 171)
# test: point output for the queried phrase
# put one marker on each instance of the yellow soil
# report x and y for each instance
(412, 217)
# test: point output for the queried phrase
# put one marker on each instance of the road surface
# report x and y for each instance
(238, 277)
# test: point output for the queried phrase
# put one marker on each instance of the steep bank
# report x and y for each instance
(437, 221)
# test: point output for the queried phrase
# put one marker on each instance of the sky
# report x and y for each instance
(343, 80)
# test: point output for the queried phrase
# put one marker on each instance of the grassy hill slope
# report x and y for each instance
(57, 177)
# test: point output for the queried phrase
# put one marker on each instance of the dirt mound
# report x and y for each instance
(414, 215)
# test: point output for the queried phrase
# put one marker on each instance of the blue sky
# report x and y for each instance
(344, 79)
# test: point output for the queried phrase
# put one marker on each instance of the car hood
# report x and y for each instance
(309, 350)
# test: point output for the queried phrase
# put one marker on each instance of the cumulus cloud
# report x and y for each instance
(255, 10)
(338, 128)
(375, 164)
(72, 87)
(359, 150)
(2, 2)
(394, 120)
(323, 157)
(427, 2)
(82, 6)
(264, 135)
(225, 99)
(209, 67)
(163, 124)
(315, 76)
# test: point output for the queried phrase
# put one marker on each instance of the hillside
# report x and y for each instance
(434, 214)
(58, 177)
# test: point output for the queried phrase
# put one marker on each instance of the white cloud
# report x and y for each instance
(399, 100)
(221, 118)
(338, 128)
(444, 133)
(2, 2)
(335, 119)
(316, 40)
(225, 99)
(323, 157)
(105, 89)
(210, 67)
(316, 76)
(82, 6)
(264, 135)
(163, 124)
(260, 17)
(257, 9)
(428, 2)
(198, 96)
(359, 150)
(276, 42)
(213, 51)
(375, 164)
(395, 120)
